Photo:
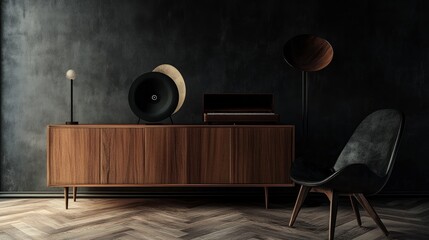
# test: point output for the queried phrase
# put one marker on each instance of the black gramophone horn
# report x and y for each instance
(153, 96)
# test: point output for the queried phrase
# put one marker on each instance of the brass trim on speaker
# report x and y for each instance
(174, 74)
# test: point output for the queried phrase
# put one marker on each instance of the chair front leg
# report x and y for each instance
(333, 197)
(303, 191)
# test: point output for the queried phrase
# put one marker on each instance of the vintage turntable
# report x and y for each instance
(239, 108)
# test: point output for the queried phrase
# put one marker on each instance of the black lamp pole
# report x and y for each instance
(305, 108)
(71, 100)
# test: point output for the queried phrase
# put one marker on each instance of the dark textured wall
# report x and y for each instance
(380, 61)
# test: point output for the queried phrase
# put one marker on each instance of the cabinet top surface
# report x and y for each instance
(164, 126)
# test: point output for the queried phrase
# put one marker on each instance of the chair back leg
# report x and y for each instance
(367, 206)
(355, 208)
(303, 192)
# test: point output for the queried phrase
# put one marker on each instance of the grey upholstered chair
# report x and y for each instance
(362, 168)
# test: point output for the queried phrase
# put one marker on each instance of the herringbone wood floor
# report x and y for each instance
(201, 219)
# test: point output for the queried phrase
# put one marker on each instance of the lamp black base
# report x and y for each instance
(72, 123)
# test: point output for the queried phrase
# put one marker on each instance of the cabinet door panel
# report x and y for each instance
(262, 155)
(165, 156)
(209, 155)
(122, 156)
(74, 156)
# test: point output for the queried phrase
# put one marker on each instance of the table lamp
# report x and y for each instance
(71, 75)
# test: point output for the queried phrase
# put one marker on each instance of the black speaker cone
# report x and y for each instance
(153, 96)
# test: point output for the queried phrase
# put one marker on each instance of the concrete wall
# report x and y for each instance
(380, 61)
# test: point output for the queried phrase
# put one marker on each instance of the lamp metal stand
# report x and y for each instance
(71, 105)
(305, 108)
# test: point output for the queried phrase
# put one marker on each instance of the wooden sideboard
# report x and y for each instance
(169, 155)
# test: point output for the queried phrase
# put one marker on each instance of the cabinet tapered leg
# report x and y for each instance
(74, 193)
(66, 197)
(266, 197)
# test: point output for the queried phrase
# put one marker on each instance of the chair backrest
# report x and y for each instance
(374, 142)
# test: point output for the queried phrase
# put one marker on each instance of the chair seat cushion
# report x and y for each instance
(304, 171)
(355, 178)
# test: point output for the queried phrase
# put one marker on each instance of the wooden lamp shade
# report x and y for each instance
(308, 53)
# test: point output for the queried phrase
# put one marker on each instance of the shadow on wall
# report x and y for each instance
(219, 46)
(1, 88)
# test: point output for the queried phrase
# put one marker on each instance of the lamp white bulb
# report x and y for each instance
(71, 74)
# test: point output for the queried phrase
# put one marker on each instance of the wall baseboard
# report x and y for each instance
(106, 194)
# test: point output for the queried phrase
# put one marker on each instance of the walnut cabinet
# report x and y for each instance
(169, 155)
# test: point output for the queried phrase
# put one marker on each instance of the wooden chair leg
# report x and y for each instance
(370, 210)
(266, 197)
(333, 197)
(355, 210)
(66, 197)
(303, 191)
(74, 193)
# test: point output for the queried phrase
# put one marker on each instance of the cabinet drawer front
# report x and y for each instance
(122, 155)
(74, 156)
(165, 156)
(262, 155)
(209, 155)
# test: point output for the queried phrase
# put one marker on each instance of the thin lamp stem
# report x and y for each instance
(71, 101)
(305, 108)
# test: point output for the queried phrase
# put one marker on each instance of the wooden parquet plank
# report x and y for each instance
(201, 219)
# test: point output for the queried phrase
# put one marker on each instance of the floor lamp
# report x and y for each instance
(307, 53)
